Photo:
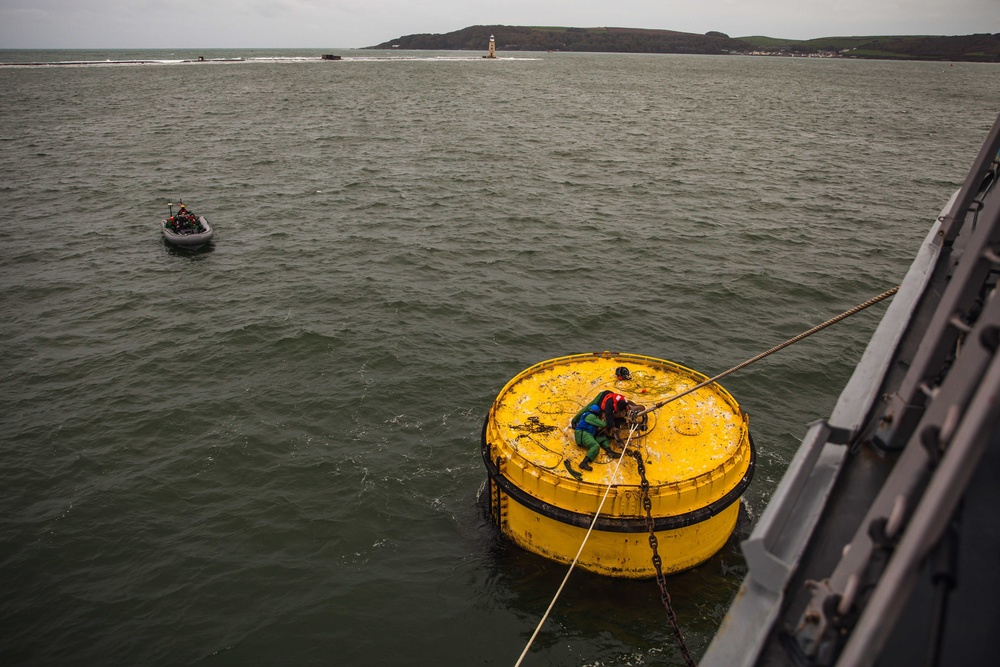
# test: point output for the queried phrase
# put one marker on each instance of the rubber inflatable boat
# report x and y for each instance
(193, 239)
(186, 230)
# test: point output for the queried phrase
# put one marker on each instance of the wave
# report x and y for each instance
(249, 59)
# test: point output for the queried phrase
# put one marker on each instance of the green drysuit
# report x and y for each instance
(593, 443)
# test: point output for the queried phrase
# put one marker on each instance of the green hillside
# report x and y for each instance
(980, 47)
(545, 38)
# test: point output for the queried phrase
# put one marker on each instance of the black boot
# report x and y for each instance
(585, 464)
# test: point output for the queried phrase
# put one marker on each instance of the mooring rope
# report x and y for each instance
(545, 616)
(614, 476)
(790, 341)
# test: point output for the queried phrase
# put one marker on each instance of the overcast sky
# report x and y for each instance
(357, 23)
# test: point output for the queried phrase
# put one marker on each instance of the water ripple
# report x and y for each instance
(260, 452)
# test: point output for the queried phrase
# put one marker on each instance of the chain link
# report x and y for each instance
(661, 580)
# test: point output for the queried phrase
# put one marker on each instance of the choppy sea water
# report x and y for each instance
(267, 452)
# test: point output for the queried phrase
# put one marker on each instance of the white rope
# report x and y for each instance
(545, 616)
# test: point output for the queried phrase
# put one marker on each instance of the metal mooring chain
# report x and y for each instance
(661, 580)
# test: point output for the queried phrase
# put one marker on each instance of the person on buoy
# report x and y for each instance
(591, 423)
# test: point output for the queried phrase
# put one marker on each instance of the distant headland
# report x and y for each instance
(967, 48)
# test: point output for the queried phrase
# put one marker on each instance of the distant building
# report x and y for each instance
(493, 48)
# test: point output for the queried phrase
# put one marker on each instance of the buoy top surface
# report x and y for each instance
(689, 441)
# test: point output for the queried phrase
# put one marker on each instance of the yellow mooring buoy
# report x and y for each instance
(697, 455)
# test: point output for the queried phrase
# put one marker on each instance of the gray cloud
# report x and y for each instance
(348, 24)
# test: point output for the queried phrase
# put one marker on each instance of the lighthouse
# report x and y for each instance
(493, 49)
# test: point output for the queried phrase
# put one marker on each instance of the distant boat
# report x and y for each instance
(190, 232)
(192, 240)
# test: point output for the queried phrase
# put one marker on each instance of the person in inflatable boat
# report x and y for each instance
(591, 424)
(187, 222)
